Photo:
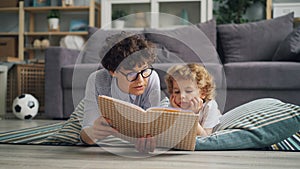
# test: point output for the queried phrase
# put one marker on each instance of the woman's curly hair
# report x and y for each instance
(127, 50)
(194, 72)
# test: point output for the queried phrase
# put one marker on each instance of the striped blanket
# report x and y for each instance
(61, 133)
(30, 135)
(67, 133)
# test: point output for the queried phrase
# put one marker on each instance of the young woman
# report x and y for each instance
(128, 76)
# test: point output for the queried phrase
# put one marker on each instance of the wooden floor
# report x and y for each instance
(55, 157)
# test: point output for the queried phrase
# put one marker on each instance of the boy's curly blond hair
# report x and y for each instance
(194, 72)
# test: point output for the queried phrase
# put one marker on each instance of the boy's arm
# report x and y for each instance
(212, 115)
(203, 131)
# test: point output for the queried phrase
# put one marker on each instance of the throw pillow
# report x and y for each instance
(93, 49)
(254, 125)
(209, 29)
(91, 31)
(289, 49)
(193, 43)
(290, 144)
(255, 41)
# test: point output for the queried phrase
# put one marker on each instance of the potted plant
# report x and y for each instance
(118, 18)
(53, 20)
(233, 11)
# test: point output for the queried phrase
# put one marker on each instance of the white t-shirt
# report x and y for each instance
(209, 114)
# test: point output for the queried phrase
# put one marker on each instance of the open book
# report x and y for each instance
(171, 128)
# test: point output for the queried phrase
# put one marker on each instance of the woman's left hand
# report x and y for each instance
(145, 144)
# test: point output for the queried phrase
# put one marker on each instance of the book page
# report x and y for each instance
(171, 128)
(169, 109)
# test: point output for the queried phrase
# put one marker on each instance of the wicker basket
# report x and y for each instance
(26, 78)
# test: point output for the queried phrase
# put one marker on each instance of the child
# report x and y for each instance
(192, 87)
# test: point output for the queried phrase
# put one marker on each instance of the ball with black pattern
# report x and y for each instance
(25, 106)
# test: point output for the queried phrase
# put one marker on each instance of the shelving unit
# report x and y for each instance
(20, 11)
(280, 9)
(27, 24)
(269, 9)
(277, 9)
(32, 33)
(197, 10)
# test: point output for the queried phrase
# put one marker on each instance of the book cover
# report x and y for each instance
(171, 128)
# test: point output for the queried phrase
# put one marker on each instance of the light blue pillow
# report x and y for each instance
(254, 125)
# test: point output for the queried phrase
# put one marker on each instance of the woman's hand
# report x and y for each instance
(145, 144)
(102, 128)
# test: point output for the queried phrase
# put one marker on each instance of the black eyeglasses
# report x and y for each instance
(132, 76)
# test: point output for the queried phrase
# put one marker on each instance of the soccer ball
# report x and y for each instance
(25, 106)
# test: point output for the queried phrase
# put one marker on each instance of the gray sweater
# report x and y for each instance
(102, 83)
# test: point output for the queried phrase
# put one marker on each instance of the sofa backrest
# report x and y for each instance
(206, 42)
(193, 43)
(253, 41)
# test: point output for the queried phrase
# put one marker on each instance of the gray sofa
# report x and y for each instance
(245, 67)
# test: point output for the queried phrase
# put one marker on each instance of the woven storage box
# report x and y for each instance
(8, 47)
(26, 78)
(8, 3)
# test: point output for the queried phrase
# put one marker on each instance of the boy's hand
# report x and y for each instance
(172, 102)
(196, 104)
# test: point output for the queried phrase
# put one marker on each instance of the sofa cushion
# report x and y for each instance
(262, 75)
(169, 48)
(289, 49)
(75, 76)
(93, 50)
(255, 41)
(193, 43)
(92, 30)
(94, 44)
(209, 29)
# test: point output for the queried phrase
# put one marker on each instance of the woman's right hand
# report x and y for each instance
(145, 144)
(102, 128)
